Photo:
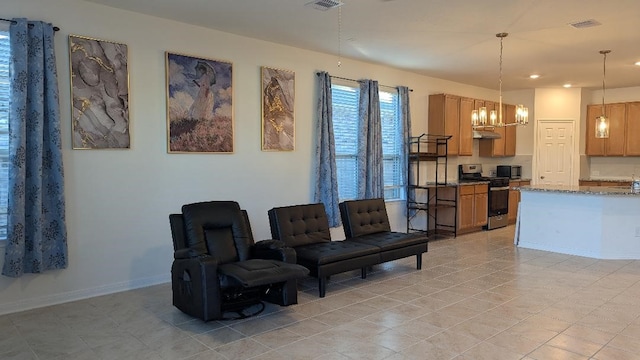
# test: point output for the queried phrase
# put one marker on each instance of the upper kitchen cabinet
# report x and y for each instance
(510, 131)
(506, 145)
(466, 130)
(444, 119)
(615, 144)
(632, 143)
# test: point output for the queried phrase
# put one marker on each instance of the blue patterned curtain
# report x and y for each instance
(370, 164)
(37, 235)
(326, 172)
(405, 119)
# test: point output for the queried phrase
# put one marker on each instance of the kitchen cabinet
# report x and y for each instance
(615, 144)
(514, 199)
(603, 183)
(472, 207)
(451, 115)
(510, 131)
(506, 145)
(444, 119)
(632, 129)
(466, 130)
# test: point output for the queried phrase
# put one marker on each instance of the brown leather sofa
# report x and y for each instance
(369, 242)
(367, 222)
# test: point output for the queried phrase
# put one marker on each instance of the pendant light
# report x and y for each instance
(602, 122)
(479, 117)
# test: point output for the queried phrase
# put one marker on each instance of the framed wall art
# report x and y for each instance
(99, 93)
(199, 105)
(278, 120)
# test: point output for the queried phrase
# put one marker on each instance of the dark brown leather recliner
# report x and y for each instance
(218, 268)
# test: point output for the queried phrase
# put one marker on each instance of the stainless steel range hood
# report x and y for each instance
(484, 134)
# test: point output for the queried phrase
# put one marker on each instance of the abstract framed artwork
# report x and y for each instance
(278, 117)
(99, 94)
(199, 105)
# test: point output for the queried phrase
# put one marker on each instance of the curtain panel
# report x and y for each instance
(370, 162)
(405, 119)
(37, 235)
(326, 175)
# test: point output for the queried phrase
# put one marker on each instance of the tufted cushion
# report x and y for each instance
(363, 217)
(391, 240)
(334, 251)
(299, 225)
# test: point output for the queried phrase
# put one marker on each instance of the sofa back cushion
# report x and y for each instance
(299, 225)
(363, 217)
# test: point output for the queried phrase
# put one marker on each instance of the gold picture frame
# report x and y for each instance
(278, 109)
(199, 104)
(99, 93)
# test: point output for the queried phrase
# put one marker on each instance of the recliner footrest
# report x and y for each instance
(258, 272)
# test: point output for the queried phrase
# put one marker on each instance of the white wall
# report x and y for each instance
(118, 201)
(559, 104)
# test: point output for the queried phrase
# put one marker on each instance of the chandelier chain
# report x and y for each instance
(604, 76)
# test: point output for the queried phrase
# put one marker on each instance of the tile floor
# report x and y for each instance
(477, 297)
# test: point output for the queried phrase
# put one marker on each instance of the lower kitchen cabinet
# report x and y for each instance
(603, 183)
(473, 207)
(514, 199)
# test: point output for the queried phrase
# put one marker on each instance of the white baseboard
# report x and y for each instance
(55, 299)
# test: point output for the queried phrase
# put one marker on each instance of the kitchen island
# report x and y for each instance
(591, 221)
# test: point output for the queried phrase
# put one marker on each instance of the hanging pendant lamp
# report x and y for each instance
(602, 122)
(480, 117)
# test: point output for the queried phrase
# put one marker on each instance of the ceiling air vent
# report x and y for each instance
(585, 24)
(325, 5)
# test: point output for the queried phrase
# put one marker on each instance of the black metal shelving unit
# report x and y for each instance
(433, 207)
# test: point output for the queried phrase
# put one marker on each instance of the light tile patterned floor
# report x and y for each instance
(477, 297)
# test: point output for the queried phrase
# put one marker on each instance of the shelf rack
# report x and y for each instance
(431, 205)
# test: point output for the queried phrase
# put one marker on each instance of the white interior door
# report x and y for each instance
(555, 152)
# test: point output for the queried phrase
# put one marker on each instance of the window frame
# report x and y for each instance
(397, 185)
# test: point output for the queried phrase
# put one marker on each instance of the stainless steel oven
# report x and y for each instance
(498, 203)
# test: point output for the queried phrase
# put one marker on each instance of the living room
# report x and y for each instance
(116, 218)
(118, 201)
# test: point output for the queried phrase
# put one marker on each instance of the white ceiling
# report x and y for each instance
(448, 39)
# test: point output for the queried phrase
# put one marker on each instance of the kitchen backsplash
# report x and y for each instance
(614, 168)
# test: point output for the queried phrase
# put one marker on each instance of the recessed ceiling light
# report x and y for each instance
(534, 76)
(638, 63)
(567, 85)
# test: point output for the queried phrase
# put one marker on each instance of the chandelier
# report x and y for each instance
(602, 122)
(480, 117)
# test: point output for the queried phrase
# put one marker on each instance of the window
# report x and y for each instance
(4, 130)
(345, 128)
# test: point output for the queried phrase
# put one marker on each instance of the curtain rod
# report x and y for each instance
(347, 79)
(55, 28)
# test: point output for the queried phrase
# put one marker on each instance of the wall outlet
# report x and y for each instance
(492, 172)
(637, 231)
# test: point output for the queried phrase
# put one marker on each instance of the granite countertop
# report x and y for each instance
(591, 190)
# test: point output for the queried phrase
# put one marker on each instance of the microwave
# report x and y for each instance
(510, 171)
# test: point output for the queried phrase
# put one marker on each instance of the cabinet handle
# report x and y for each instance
(542, 177)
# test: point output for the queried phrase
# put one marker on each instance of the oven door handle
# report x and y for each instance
(499, 188)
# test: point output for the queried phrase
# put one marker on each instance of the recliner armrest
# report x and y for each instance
(182, 254)
(274, 250)
(270, 244)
